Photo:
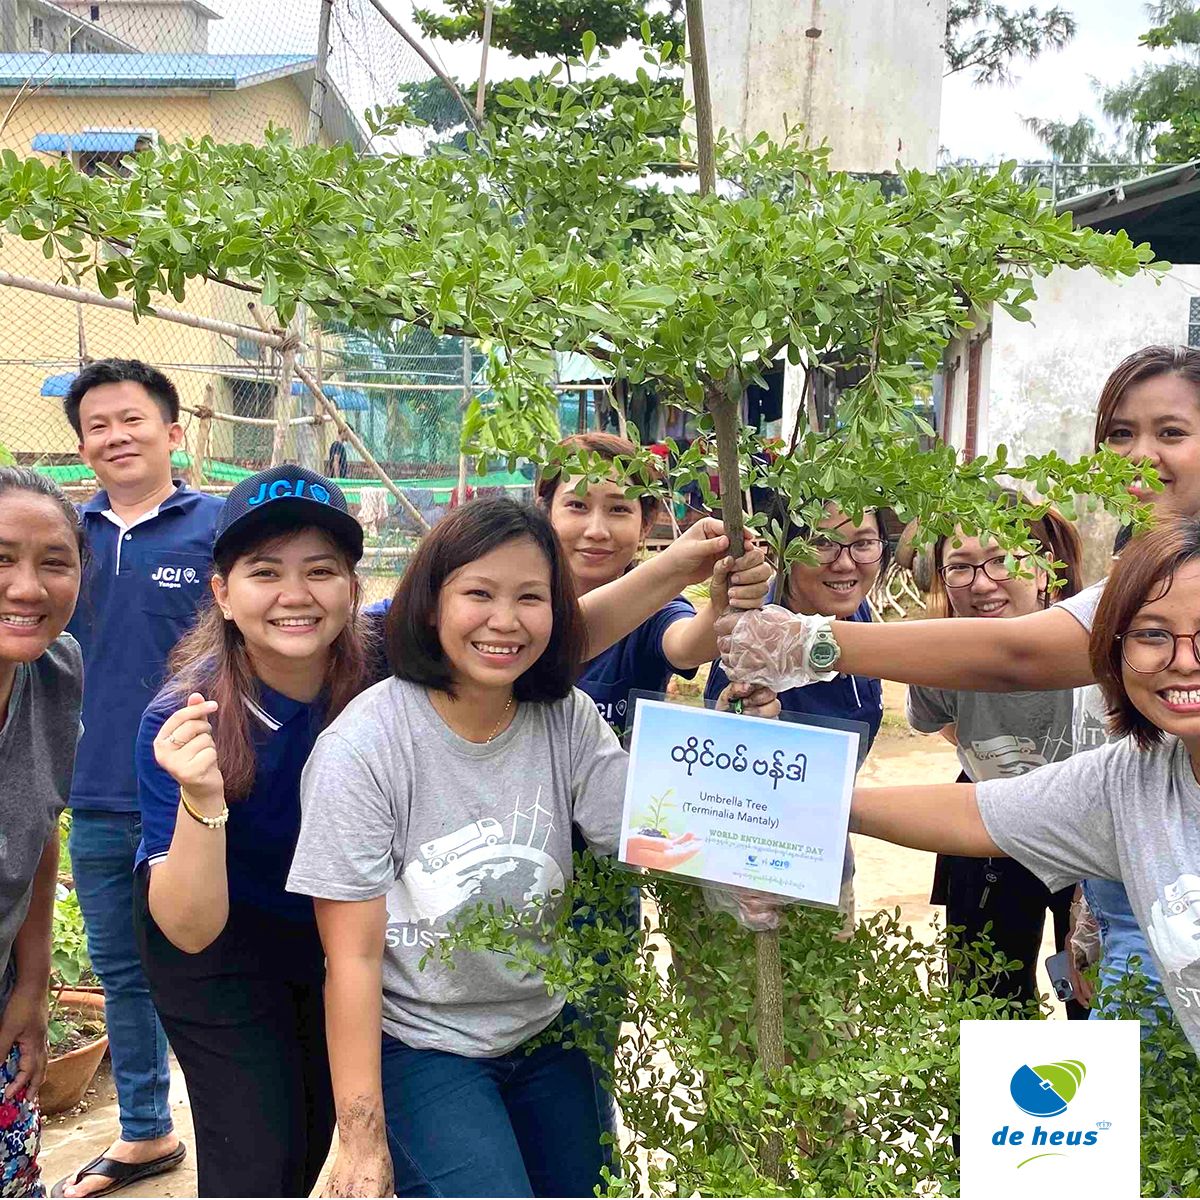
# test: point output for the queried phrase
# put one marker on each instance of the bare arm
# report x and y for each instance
(692, 641)
(944, 818)
(950, 733)
(618, 608)
(1044, 651)
(189, 890)
(26, 1015)
(353, 933)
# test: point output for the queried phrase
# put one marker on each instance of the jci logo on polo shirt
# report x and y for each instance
(299, 488)
(173, 577)
(1032, 1116)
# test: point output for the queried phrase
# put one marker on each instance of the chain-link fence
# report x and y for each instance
(98, 82)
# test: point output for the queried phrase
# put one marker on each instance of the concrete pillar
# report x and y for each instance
(864, 75)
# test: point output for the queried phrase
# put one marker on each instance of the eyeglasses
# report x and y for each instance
(863, 551)
(962, 575)
(1148, 651)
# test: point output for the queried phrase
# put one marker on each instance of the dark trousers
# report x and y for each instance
(246, 1019)
(518, 1125)
(1015, 901)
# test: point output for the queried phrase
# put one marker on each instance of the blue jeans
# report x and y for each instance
(1121, 938)
(517, 1125)
(103, 845)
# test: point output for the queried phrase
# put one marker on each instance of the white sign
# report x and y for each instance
(1050, 1108)
(739, 801)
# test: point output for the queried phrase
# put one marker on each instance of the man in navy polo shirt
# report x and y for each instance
(150, 542)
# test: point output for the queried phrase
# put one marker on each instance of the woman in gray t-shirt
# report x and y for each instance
(41, 678)
(1128, 811)
(456, 784)
(999, 736)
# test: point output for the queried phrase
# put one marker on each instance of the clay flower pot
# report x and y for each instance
(69, 1075)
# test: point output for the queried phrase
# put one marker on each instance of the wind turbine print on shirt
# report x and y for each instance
(480, 862)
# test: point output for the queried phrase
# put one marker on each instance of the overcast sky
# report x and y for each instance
(980, 123)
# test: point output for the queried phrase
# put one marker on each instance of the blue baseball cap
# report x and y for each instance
(284, 498)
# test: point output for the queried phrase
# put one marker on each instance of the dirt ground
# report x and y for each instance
(887, 877)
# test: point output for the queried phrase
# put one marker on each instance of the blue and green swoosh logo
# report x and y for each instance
(1046, 1091)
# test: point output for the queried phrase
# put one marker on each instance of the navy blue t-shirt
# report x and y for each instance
(261, 835)
(140, 594)
(850, 697)
(636, 663)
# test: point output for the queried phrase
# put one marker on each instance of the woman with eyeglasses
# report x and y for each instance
(998, 736)
(850, 557)
(1126, 811)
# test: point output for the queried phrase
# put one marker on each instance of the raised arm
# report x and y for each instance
(944, 818)
(189, 889)
(352, 933)
(1044, 651)
(618, 608)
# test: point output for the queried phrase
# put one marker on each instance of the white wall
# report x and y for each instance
(864, 74)
(1046, 375)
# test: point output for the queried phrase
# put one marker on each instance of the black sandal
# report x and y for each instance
(122, 1174)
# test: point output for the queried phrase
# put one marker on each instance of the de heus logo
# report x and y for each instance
(299, 488)
(1046, 1091)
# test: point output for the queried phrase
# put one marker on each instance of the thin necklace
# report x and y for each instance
(500, 722)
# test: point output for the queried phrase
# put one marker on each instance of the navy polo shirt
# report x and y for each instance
(140, 593)
(260, 837)
(850, 697)
(636, 663)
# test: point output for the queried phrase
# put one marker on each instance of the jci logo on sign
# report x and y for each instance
(1061, 1122)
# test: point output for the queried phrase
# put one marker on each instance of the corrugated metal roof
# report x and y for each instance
(1134, 193)
(207, 72)
(100, 142)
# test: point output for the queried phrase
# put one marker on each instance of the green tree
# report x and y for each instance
(554, 28)
(1092, 160)
(1158, 107)
(988, 38)
(531, 239)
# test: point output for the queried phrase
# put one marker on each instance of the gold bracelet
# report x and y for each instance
(217, 822)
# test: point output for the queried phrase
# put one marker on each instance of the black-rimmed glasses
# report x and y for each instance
(862, 551)
(962, 575)
(1148, 651)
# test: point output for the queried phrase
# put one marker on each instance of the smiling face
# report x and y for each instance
(988, 597)
(836, 589)
(600, 531)
(290, 598)
(1170, 698)
(39, 574)
(494, 615)
(1158, 421)
(125, 437)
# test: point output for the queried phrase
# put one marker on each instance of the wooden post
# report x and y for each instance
(283, 402)
(724, 403)
(200, 446)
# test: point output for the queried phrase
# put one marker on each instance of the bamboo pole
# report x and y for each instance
(62, 291)
(316, 101)
(346, 432)
(283, 403)
(724, 403)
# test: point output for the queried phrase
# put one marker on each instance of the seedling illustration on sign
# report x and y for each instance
(1046, 1091)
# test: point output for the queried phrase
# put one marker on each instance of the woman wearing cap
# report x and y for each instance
(234, 962)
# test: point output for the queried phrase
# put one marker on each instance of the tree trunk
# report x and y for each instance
(725, 406)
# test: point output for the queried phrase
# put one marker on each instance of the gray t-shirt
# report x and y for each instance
(37, 756)
(1117, 813)
(395, 803)
(999, 734)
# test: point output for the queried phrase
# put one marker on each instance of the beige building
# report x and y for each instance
(97, 107)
